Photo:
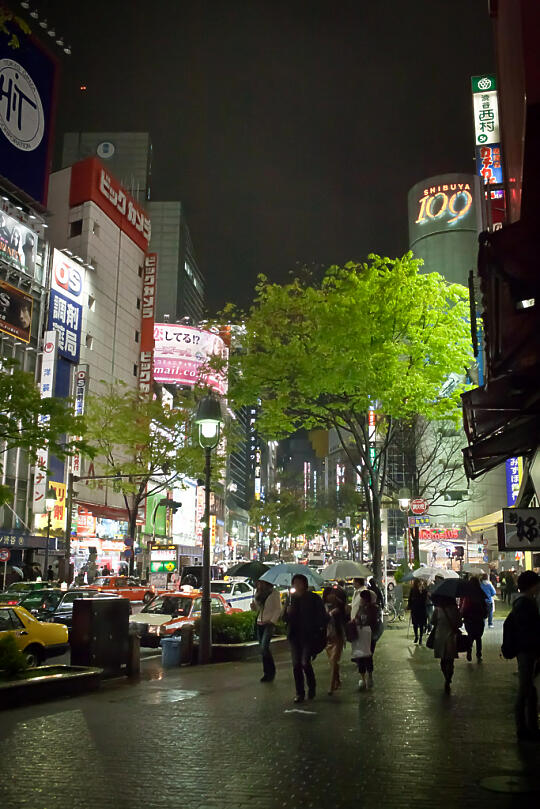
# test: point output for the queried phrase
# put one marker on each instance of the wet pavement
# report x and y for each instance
(197, 738)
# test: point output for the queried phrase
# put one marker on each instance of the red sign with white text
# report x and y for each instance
(419, 506)
(90, 181)
(147, 322)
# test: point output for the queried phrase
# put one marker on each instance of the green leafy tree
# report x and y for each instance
(138, 437)
(378, 335)
(31, 423)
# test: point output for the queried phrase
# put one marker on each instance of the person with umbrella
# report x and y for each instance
(307, 619)
(446, 623)
(418, 606)
(474, 610)
(268, 605)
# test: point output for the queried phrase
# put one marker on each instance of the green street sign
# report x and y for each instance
(484, 84)
(168, 566)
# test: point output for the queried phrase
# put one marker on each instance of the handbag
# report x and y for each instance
(351, 631)
(462, 642)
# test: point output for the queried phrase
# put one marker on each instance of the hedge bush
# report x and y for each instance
(236, 628)
(12, 661)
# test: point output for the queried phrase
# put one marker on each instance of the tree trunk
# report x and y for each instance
(416, 546)
(132, 531)
(350, 542)
(375, 535)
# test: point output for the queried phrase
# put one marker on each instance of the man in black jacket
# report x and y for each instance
(527, 640)
(307, 619)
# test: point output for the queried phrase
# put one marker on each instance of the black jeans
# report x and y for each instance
(264, 636)
(419, 625)
(475, 629)
(447, 668)
(527, 697)
(301, 661)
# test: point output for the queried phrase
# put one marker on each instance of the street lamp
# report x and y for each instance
(50, 501)
(404, 499)
(209, 420)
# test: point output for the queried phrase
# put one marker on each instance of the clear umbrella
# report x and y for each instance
(281, 575)
(345, 569)
(431, 572)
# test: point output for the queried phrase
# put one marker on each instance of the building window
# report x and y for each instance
(91, 303)
(89, 342)
(137, 336)
(138, 303)
(75, 228)
(141, 272)
(135, 369)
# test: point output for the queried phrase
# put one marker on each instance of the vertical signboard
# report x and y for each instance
(147, 323)
(66, 305)
(487, 132)
(81, 388)
(514, 473)
(27, 94)
(48, 369)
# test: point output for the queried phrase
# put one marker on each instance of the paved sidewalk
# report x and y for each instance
(215, 737)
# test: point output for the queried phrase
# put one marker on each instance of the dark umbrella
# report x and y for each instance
(249, 570)
(450, 588)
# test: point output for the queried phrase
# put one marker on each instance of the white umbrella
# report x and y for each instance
(431, 572)
(345, 569)
(468, 567)
(281, 575)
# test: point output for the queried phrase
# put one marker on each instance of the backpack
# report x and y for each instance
(509, 648)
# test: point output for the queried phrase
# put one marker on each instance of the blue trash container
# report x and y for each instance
(170, 652)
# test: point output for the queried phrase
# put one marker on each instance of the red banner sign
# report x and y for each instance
(90, 181)
(147, 323)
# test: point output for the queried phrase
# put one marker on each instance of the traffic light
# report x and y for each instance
(174, 505)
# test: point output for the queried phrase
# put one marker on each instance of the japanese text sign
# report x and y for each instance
(521, 529)
(65, 304)
(90, 181)
(48, 370)
(486, 109)
(181, 354)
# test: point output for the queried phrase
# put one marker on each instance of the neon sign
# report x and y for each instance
(452, 201)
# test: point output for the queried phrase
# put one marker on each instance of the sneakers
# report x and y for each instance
(299, 698)
(361, 684)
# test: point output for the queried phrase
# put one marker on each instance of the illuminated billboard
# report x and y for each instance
(445, 217)
(181, 354)
(27, 96)
(18, 244)
(15, 311)
(66, 305)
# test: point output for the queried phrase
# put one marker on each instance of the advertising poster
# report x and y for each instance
(182, 352)
(27, 95)
(48, 371)
(65, 305)
(18, 244)
(15, 312)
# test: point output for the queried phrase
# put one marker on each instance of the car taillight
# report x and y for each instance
(12, 603)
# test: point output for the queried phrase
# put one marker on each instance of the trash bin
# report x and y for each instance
(170, 652)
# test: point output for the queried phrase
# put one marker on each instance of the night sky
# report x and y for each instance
(291, 131)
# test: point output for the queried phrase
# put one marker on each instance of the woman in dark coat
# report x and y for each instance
(474, 611)
(418, 607)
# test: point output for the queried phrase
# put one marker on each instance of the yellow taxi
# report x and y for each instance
(36, 639)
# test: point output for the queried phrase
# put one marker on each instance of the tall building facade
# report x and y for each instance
(126, 155)
(180, 284)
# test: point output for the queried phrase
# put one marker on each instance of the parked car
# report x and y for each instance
(169, 612)
(36, 639)
(237, 594)
(125, 586)
(62, 611)
(18, 590)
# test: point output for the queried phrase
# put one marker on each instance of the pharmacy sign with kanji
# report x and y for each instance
(65, 305)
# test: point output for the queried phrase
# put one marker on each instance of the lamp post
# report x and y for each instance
(209, 420)
(50, 500)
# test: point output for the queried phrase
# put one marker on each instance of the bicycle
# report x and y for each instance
(394, 611)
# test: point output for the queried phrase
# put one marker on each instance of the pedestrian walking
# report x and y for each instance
(446, 623)
(494, 579)
(267, 603)
(522, 633)
(489, 592)
(374, 587)
(335, 633)
(359, 585)
(363, 646)
(50, 574)
(417, 604)
(511, 585)
(306, 618)
(474, 611)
